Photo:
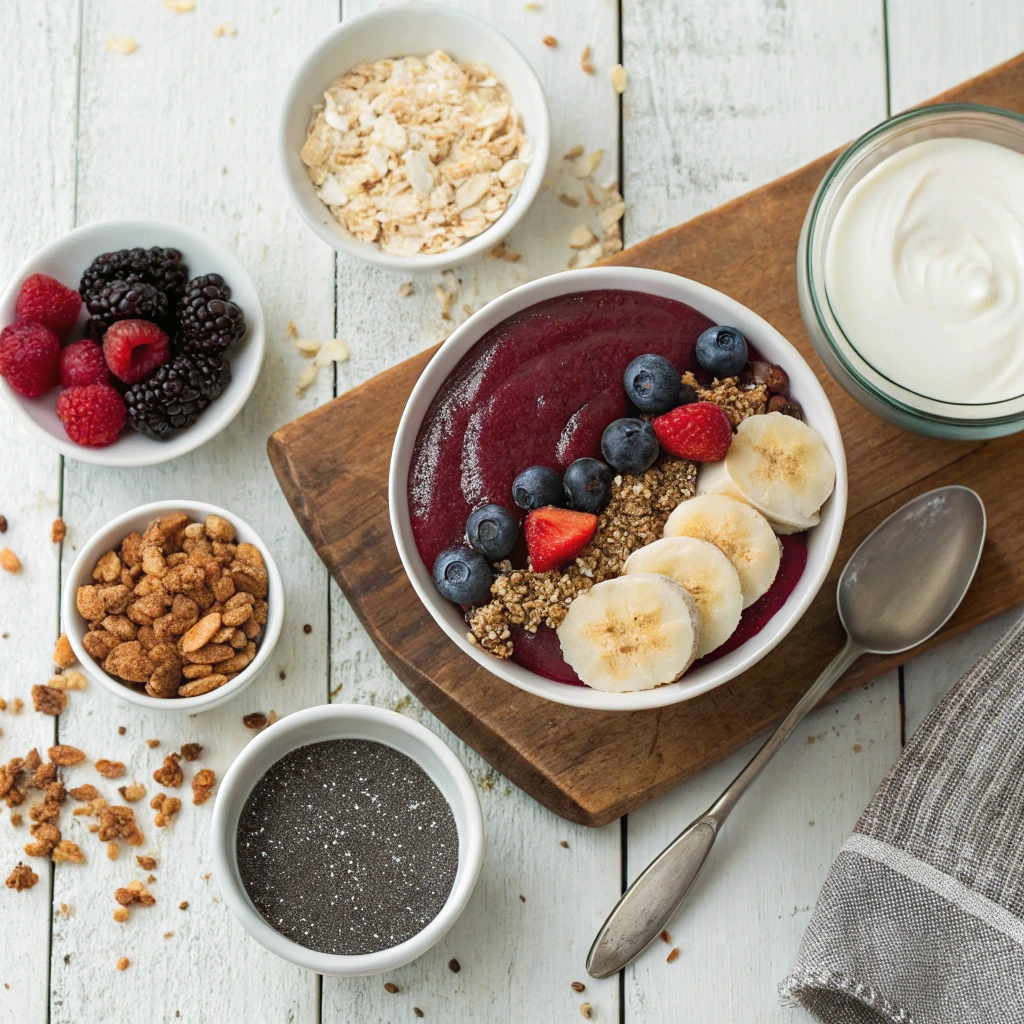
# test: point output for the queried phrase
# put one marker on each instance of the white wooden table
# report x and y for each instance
(722, 97)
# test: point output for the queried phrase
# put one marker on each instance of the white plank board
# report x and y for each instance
(518, 958)
(180, 129)
(718, 105)
(37, 203)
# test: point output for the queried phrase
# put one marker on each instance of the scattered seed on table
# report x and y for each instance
(587, 1010)
(307, 628)
(390, 986)
(562, 842)
(417, 1011)
(674, 955)
(454, 966)
(549, 41)
(578, 986)
(665, 937)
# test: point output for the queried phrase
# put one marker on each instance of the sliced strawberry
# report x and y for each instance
(700, 431)
(555, 536)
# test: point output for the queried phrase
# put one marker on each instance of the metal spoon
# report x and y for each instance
(898, 588)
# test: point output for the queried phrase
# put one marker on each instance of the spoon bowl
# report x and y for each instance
(910, 573)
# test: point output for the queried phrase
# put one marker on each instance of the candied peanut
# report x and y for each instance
(84, 793)
(68, 681)
(48, 701)
(149, 585)
(238, 639)
(259, 611)
(172, 523)
(166, 807)
(153, 562)
(45, 811)
(63, 655)
(219, 529)
(202, 782)
(130, 662)
(250, 555)
(251, 628)
(194, 531)
(224, 553)
(119, 823)
(22, 877)
(109, 769)
(132, 792)
(236, 616)
(183, 578)
(223, 587)
(199, 635)
(120, 626)
(68, 851)
(239, 661)
(202, 685)
(193, 544)
(90, 604)
(116, 598)
(191, 751)
(203, 597)
(196, 671)
(65, 755)
(223, 635)
(147, 636)
(99, 643)
(167, 674)
(46, 774)
(178, 558)
(131, 550)
(210, 654)
(108, 568)
(250, 578)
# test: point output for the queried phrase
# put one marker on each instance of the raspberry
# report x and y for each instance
(43, 300)
(29, 357)
(134, 349)
(92, 414)
(700, 431)
(83, 363)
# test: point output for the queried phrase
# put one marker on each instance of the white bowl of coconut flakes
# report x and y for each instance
(414, 137)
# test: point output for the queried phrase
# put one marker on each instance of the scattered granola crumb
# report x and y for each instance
(9, 561)
(166, 808)
(183, 905)
(69, 852)
(123, 963)
(522, 898)
(3, 524)
(113, 850)
(224, 28)
(738, 401)
(47, 700)
(16, 818)
(84, 793)
(578, 986)
(65, 911)
(533, 7)
(58, 531)
(121, 915)
(282, 674)
(390, 986)
(170, 773)
(454, 966)
(857, 748)
(145, 861)
(68, 681)
(549, 41)
(673, 955)
(109, 769)
(202, 782)
(180, 6)
(17, 706)
(271, 717)
(22, 877)
(619, 78)
(168, 935)
(152, 743)
(255, 720)
(121, 44)
(134, 892)
(587, 1010)
(307, 629)
(405, 289)
(585, 63)
(563, 843)
(665, 937)
(132, 792)
(65, 755)
(417, 1011)
(191, 751)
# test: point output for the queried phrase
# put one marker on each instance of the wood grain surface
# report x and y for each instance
(592, 767)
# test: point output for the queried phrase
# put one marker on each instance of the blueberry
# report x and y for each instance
(652, 383)
(536, 487)
(588, 485)
(722, 351)
(492, 530)
(462, 575)
(629, 446)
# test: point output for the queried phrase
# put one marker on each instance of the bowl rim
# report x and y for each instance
(702, 298)
(241, 775)
(225, 409)
(81, 570)
(539, 136)
(813, 285)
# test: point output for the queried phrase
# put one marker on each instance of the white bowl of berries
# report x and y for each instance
(617, 488)
(128, 343)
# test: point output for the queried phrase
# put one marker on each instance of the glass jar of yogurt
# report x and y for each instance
(910, 271)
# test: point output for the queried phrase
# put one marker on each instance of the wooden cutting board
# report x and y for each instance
(589, 766)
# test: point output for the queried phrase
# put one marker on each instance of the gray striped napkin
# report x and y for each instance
(921, 918)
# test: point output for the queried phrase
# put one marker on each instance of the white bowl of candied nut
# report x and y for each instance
(414, 137)
(175, 605)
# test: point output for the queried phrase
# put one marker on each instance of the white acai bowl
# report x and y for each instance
(822, 540)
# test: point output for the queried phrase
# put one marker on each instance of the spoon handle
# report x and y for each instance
(645, 907)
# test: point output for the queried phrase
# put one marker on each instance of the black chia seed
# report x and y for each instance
(347, 847)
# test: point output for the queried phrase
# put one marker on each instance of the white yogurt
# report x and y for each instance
(924, 270)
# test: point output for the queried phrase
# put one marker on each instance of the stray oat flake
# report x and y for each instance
(224, 28)
(121, 44)
(180, 6)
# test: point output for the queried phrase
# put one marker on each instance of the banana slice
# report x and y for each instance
(707, 575)
(740, 531)
(714, 478)
(631, 633)
(782, 467)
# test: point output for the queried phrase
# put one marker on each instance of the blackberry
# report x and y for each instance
(128, 299)
(210, 321)
(157, 266)
(174, 395)
(95, 328)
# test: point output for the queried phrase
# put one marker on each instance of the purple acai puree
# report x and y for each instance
(539, 389)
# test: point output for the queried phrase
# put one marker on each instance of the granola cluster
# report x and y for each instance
(177, 609)
(416, 154)
(739, 400)
(634, 516)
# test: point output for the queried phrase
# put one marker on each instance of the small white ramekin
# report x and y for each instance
(108, 539)
(65, 259)
(399, 32)
(822, 540)
(347, 721)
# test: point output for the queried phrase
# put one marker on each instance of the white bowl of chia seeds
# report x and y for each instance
(347, 839)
